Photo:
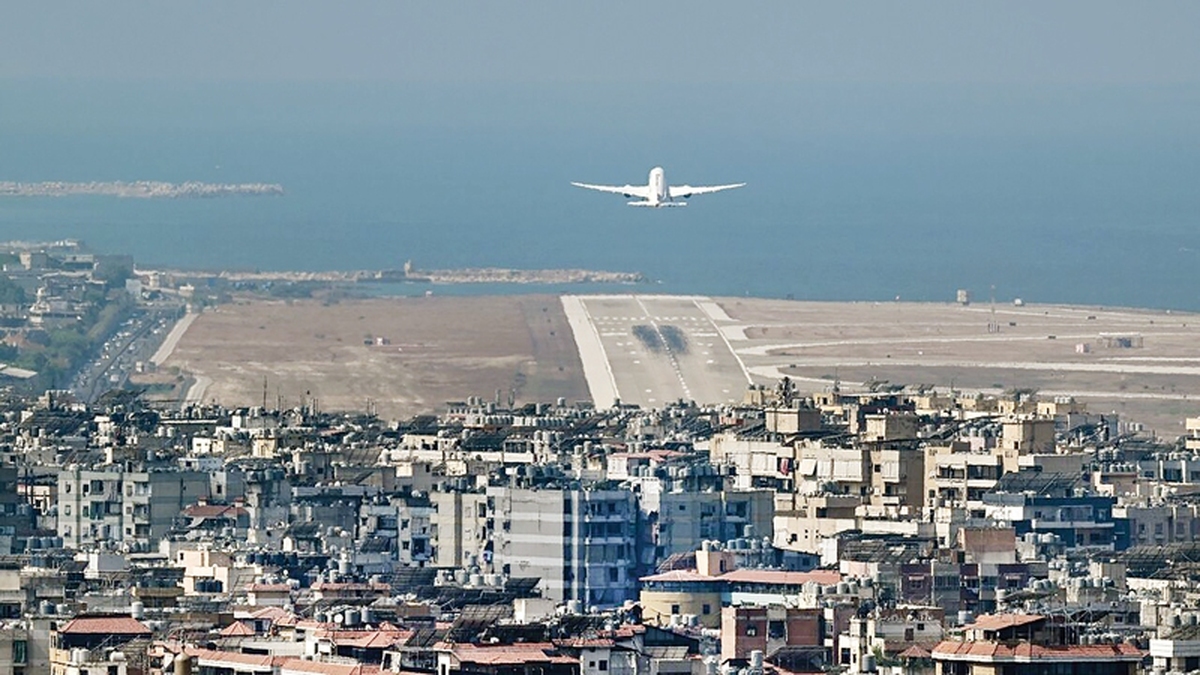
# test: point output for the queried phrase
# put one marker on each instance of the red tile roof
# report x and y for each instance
(320, 668)
(915, 652)
(236, 660)
(366, 639)
(676, 576)
(586, 643)
(823, 577)
(1002, 621)
(102, 624)
(272, 614)
(980, 651)
(506, 655)
(237, 629)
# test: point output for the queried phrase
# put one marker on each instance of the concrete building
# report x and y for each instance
(1178, 652)
(582, 544)
(114, 505)
(768, 630)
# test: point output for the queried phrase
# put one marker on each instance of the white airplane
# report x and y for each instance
(657, 194)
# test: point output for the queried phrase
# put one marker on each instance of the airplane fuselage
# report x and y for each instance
(658, 186)
(656, 193)
(660, 194)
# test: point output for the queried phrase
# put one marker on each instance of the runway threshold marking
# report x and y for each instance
(670, 352)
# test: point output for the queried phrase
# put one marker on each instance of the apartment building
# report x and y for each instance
(114, 505)
(581, 543)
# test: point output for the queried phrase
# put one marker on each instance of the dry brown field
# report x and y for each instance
(447, 348)
(1056, 350)
(437, 349)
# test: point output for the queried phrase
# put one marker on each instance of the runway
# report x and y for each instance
(651, 350)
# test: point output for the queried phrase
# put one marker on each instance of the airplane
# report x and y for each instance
(656, 193)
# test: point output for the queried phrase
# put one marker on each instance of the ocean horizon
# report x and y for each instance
(1081, 196)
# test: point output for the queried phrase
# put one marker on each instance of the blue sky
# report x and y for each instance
(614, 42)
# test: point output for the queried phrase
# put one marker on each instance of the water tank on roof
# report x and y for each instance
(475, 580)
(351, 617)
(137, 610)
(868, 662)
(843, 588)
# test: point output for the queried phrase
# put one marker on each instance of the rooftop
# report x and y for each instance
(1024, 652)
(100, 624)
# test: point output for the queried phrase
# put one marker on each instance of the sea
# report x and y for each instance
(1085, 194)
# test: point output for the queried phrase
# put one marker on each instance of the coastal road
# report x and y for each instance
(650, 350)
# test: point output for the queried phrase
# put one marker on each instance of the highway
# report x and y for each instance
(136, 339)
(650, 350)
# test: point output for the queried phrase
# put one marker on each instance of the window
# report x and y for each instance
(18, 651)
(751, 630)
(67, 510)
(707, 609)
(675, 609)
(603, 664)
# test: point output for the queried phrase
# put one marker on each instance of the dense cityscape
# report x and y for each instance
(621, 338)
(893, 530)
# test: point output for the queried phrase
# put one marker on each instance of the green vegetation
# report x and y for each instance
(113, 270)
(11, 293)
(58, 352)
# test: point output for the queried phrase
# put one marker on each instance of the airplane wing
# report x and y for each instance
(686, 191)
(639, 191)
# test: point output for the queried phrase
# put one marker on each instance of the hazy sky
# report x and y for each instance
(635, 42)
